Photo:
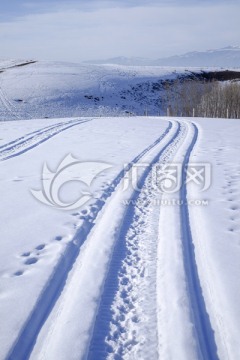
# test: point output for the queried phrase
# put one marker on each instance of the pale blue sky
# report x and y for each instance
(94, 29)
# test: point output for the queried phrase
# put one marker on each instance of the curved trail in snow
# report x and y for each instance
(181, 304)
(7, 105)
(204, 331)
(121, 300)
(115, 332)
(119, 318)
(32, 140)
(58, 281)
(26, 136)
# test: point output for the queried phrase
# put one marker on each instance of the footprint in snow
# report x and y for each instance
(124, 281)
(75, 214)
(234, 207)
(84, 212)
(40, 247)
(26, 254)
(18, 273)
(234, 177)
(31, 261)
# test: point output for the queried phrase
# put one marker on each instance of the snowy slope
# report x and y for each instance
(131, 277)
(42, 89)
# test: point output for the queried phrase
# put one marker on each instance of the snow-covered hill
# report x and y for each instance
(31, 89)
(48, 89)
(224, 57)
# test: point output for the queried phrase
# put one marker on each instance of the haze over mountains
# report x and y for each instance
(224, 57)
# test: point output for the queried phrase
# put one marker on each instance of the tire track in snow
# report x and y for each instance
(21, 146)
(25, 137)
(115, 332)
(202, 324)
(8, 105)
(26, 340)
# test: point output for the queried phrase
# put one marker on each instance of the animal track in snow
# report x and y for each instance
(17, 180)
(40, 247)
(26, 254)
(234, 207)
(18, 273)
(31, 261)
(75, 214)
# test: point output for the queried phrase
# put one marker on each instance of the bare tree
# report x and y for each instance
(203, 99)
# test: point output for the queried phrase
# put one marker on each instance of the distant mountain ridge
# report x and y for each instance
(225, 57)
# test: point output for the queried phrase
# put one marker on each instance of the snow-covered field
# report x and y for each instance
(134, 273)
(53, 89)
(128, 271)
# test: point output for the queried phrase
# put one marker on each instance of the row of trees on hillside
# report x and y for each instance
(203, 99)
